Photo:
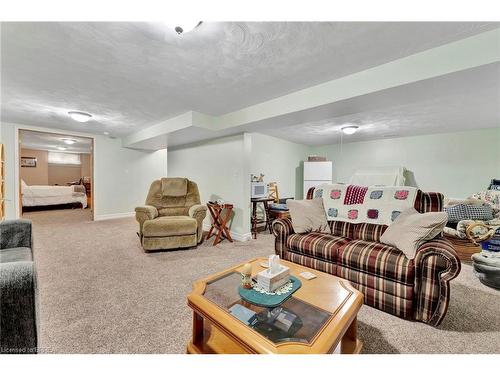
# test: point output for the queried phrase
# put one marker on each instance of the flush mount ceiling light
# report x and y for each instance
(184, 27)
(69, 141)
(351, 129)
(80, 116)
(62, 148)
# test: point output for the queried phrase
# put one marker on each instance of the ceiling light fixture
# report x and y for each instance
(80, 116)
(106, 133)
(351, 129)
(184, 27)
(62, 148)
(69, 141)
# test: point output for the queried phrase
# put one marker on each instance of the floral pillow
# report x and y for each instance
(491, 197)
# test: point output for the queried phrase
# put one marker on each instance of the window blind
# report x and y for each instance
(64, 158)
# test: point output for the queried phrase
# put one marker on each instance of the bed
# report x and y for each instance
(44, 195)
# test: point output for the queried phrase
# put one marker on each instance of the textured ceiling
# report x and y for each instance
(50, 142)
(465, 100)
(133, 75)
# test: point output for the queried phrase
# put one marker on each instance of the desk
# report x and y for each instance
(255, 221)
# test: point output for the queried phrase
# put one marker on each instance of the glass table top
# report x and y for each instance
(292, 321)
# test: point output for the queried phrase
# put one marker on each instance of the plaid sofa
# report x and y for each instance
(416, 288)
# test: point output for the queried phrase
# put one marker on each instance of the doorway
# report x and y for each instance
(56, 176)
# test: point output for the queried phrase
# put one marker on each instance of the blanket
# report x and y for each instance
(365, 204)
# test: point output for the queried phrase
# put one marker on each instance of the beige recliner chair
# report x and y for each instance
(172, 217)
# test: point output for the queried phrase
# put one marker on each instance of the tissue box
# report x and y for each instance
(272, 281)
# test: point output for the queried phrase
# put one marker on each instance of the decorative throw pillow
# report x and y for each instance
(474, 212)
(461, 212)
(411, 229)
(308, 215)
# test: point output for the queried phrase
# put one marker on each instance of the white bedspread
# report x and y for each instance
(44, 195)
(44, 191)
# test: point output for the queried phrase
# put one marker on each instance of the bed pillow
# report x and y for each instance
(23, 184)
(308, 215)
(411, 229)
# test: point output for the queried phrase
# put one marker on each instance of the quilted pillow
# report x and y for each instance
(461, 212)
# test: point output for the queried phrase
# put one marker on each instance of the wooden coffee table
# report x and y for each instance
(325, 309)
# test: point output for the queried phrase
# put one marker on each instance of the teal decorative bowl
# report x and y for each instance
(267, 300)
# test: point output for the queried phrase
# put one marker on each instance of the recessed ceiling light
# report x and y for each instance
(80, 116)
(106, 133)
(351, 129)
(184, 27)
(69, 141)
(62, 148)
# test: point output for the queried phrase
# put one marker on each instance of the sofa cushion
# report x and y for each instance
(387, 302)
(377, 259)
(16, 254)
(342, 228)
(317, 245)
(368, 232)
(165, 226)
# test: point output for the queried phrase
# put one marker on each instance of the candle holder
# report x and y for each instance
(246, 276)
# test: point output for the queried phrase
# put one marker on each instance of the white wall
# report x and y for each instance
(121, 180)
(455, 164)
(280, 161)
(220, 168)
(123, 176)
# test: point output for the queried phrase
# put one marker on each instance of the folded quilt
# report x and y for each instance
(365, 204)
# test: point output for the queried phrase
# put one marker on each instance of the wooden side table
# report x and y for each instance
(255, 221)
(221, 213)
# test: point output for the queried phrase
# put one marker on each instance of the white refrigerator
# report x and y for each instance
(316, 173)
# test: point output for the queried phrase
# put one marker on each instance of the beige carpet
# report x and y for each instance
(100, 293)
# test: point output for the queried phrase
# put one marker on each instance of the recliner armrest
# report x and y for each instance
(197, 210)
(150, 211)
(15, 233)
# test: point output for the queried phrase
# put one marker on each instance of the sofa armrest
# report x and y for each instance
(18, 304)
(282, 228)
(15, 233)
(198, 212)
(436, 264)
